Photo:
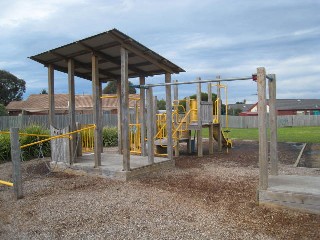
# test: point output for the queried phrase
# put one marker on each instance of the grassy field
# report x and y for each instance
(290, 134)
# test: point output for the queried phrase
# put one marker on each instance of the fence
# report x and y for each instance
(62, 121)
(283, 121)
(111, 120)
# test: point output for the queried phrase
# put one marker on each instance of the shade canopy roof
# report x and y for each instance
(106, 46)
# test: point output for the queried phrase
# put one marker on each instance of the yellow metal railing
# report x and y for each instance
(87, 138)
(135, 138)
(6, 183)
(55, 137)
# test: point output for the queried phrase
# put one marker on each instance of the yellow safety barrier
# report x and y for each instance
(87, 138)
(135, 138)
(55, 137)
(6, 183)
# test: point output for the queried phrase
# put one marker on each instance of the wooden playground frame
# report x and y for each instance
(96, 69)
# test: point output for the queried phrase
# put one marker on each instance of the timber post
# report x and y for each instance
(142, 114)
(150, 125)
(169, 116)
(16, 162)
(125, 109)
(199, 131)
(273, 125)
(262, 121)
(72, 110)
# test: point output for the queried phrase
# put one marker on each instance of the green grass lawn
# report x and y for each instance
(290, 134)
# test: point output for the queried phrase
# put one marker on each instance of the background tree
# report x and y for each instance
(44, 91)
(161, 104)
(111, 88)
(11, 88)
(3, 110)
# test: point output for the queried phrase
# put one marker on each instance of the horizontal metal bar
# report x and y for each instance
(192, 82)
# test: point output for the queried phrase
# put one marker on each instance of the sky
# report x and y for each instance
(206, 38)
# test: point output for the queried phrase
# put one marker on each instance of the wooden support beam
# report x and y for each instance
(143, 55)
(176, 123)
(142, 114)
(100, 116)
(72, 110)
(219, 116)
(262, 122)
(273, 125)
(150, 125)
(125, 109)
(211, 125)
(119, 113)
(199, 132)
(114, 60)
(51, 95)
(189, 133)
(16, 162)
(96, 115)
(169, 116)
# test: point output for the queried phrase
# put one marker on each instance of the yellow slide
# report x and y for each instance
(225, 141)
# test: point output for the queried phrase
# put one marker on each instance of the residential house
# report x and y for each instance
(290, 107)
(38, 104)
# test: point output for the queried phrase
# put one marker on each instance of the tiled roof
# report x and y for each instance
(40, 102)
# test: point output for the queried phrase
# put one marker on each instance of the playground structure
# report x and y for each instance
(113, 56)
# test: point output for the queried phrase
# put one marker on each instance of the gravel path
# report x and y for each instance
(202, 198)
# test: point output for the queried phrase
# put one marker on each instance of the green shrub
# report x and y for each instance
(5, 149)
(110, 136)
(34, 150)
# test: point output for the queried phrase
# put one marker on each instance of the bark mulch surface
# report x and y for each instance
(212, 197)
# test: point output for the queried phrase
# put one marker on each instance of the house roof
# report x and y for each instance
(142, 61)
(242, 106)
(40, 102)
(295, 104)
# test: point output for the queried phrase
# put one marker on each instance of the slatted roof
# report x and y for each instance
(106, 45)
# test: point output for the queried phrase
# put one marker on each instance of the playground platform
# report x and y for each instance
(111, 166)
(292, 191)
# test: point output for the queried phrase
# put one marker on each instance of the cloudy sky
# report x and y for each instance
(206, 38)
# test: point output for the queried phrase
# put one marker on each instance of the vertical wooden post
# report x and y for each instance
(119, 113)
(96, 111)
(16, 162)
(199, 132)
(176, 98)
(188, 122)
(143, 117)
(219, 116)
(262, 117)
(150, 125)
(51, 95)
(211, 123)
(100, 116)
(125, 109)
(72, 110)
(169, 116)
(273, 125)
(79, 140)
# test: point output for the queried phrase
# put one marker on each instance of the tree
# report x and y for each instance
(3, 110)
(11, 88)
(44, 91)
(161, 104)
(111, 88)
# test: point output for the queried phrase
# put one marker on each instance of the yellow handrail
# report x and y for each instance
(58, 136)
(6, 183)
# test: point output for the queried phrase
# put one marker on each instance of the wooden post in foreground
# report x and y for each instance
(176, 99)
(211, 123)
(150, 126)
(273, 125)
(219, 115)
(125, 110)
(169, 116)
(262, 121)
(143, 117)
(51, 95)
(96, 111)
(199, 131)
(16, 162)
